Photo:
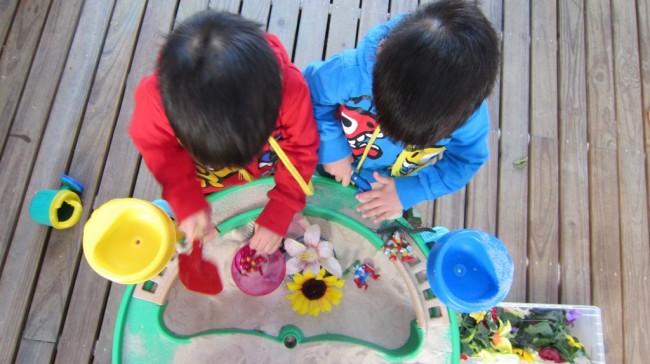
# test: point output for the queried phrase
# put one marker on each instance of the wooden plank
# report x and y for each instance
(342, 33)
(574, 197)
(90, 292)
(450, 211)
(603, 176)
(543, 216)
(256, 10)
(643, 10)
(232, 6)
(633, 191)
(284, 22)
(311, 32)
(398, 7)
(7, 13)
(187, 8)
(481, 196)
(57, 270)
(17, 55)
(512, 226)
(103, 353)
(24, 255)
(32, 351)
(372, 13)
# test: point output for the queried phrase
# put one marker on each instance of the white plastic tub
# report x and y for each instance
(588, 328)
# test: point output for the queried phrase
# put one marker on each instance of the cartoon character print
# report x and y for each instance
(215, 178)
(417, 158)
(267, 161)
(358, 125)
(210, 177)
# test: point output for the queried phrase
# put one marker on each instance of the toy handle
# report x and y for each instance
(360, 182)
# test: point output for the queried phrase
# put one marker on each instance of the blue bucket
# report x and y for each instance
(469, 270)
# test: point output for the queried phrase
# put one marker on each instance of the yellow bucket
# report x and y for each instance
(129, 240)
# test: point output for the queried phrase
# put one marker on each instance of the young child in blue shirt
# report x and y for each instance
(406, 108)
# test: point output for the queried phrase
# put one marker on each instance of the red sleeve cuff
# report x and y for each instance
(276, 217)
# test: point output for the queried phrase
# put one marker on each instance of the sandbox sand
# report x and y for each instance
(381, 315)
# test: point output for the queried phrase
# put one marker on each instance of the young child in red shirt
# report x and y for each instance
(205, 119)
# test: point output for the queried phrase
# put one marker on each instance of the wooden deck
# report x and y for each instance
(566, 187)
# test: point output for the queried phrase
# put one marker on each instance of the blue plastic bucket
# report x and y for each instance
(469, 270)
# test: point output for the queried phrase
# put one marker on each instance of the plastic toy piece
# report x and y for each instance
(257, 274)
(198, 274)
(361, 182)
(361, 273)
(250, 261)
(60, 208)
(396, 247)
(129, 240)
(469, 270)
(72, 184)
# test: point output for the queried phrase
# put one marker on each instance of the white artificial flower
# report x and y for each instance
(311, 255)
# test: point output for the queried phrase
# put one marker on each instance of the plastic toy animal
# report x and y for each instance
(361, 273)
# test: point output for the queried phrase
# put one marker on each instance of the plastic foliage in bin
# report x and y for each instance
(533, 332)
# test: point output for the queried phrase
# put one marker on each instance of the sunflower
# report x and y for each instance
(314, 294)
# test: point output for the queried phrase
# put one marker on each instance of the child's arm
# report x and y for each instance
(466, 152)
(326, 81)
(169, 163)
(300, 143)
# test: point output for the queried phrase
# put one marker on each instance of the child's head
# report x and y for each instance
(433, 71)
(221, 86)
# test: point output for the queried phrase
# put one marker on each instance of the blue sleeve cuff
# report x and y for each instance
(410, 191)
(333, 150)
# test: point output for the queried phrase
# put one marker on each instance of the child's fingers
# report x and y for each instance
(345, 180)
(369, 208)
(381, 179)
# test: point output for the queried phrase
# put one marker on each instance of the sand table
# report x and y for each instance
(381, 315)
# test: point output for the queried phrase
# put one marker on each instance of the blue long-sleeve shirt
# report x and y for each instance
(341, 91)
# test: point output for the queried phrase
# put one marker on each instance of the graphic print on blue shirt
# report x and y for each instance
(358, 122)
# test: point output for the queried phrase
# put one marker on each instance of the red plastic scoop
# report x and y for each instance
(198, 274)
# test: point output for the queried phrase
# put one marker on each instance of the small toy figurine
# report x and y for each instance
(396, 246)
(361, 273)
(249, 261)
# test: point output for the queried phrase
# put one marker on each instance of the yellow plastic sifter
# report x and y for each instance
(129, 240)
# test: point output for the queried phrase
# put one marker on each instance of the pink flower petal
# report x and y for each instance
(325, 249)
(312, 236)
(293, 247)
(331, 265)
(313, 266)
(295, 265)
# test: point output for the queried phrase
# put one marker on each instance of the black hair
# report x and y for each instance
(433, 70)
(221, 86)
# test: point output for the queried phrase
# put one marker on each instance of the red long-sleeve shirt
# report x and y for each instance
(184, 183)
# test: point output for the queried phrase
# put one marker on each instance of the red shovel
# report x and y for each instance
(198, 274)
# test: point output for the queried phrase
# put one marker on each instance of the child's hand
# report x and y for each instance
(382, 203)
(265, 240)
(341, 170)
(197, 226)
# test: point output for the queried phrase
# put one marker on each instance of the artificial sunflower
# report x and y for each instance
(314, 294)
